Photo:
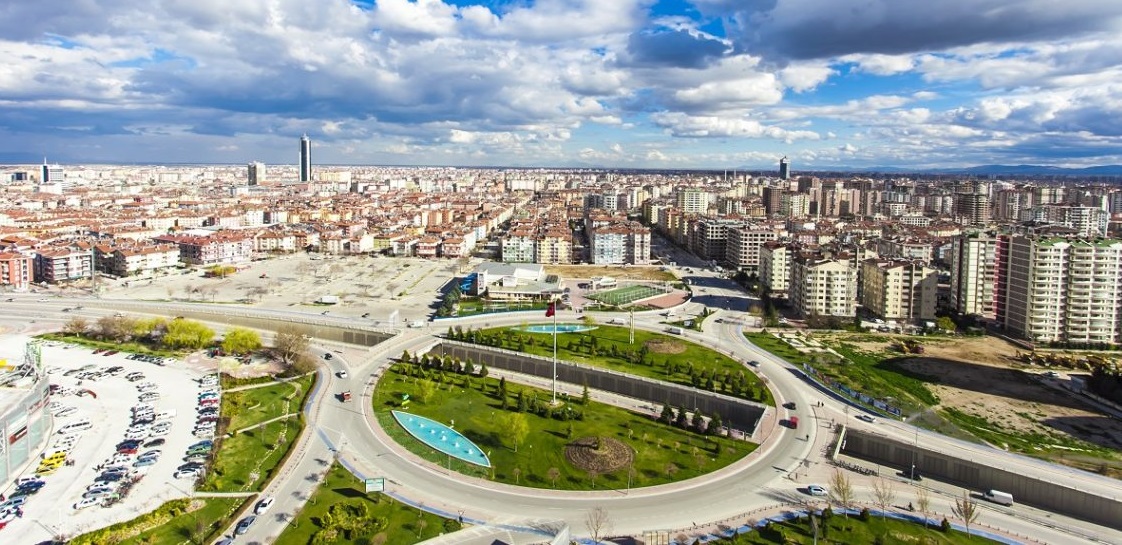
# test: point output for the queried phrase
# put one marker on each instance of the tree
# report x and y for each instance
(76, 326)
(116, 328)
(425, 389)
(289, 342)
(147, 327)
(667, 416)
(923, 503)
(517, 428)
(553, 474)
(945, 323)
(598, 522)
(841, 491)
(966, 509)
(698, 422)
(671, 469)
(883, 494)
(240, 340)
(517, 472)
(187, 334)
(584, 396)
(483, 370)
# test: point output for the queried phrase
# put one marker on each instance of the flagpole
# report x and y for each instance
(553, 306)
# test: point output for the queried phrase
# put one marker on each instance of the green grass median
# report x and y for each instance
(339, 511)
(573, 447)
(653, 355)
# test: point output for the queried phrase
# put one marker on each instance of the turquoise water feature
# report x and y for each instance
(561, 328)
(442, 438)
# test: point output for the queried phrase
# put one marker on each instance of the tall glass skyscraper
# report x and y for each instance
(305, 159)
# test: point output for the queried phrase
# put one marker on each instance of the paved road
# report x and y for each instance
(762, 479)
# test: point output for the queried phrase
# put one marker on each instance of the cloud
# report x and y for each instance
(680, 124)
(822, 29)
(677, 48)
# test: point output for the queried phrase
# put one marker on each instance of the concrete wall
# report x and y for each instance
(736, 413)
(1054, 494)
(328, 330)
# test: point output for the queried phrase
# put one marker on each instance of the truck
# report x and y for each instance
(674, 330)
(999, 497)
(417, 323)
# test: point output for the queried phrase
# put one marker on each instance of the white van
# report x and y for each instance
(999, 497)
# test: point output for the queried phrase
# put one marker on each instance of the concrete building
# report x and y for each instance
(823, 287)
(784, 169)
(899, 290)
(693, 201)
(742, 247)
(1061, 290)
(16, 270)
(63, 264)
(775, 268)
(973, 260)
(972, 207)
(620, 243)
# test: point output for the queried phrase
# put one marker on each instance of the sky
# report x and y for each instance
(676, 84)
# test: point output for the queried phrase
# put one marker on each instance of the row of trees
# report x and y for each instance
(290, 346)
(680, 418)
(175, 334)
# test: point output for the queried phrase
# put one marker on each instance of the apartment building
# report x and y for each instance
(775, 268)
(54, 265)
(973, 260)
(519, 246)
(899, 290)
(219, 248)
(1060, 289)
(556, 247)
(624, 242)
(16, 270)
(742, 246)
(822, 287)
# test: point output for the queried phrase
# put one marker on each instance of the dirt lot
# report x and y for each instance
(570, 272)
(1021, 409)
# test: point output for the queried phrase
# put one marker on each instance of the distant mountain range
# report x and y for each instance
(1012, 170)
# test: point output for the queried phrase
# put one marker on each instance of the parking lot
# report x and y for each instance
(88, 393)
(364, 285)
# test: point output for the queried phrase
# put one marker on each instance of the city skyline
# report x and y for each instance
(701, 84)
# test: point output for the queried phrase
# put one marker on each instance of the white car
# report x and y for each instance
(263, 505)
(816, 490)
(187, 473)
(65, 412)
(866, 418)
(87, 502)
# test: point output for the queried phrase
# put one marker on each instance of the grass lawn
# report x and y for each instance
(380, 519)
(654, 355)
(243, 462)
(172, 527)
(129, 347)
(866, 372)
(662, 453)
(840, 530)
(256, 405)
(472, 307)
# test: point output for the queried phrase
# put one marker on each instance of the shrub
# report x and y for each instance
(865, 515)
(945, 526)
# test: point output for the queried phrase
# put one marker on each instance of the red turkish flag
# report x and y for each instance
(551, 310)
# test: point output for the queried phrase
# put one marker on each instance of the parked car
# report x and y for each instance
(816, 490)
(866, 418)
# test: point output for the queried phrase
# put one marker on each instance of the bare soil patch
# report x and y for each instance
(599, 454)
(1014, 400)
(663, 346)
(569, 272)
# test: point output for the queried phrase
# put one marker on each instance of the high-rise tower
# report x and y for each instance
(784, 169)
(305, 159)
(256, 173)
